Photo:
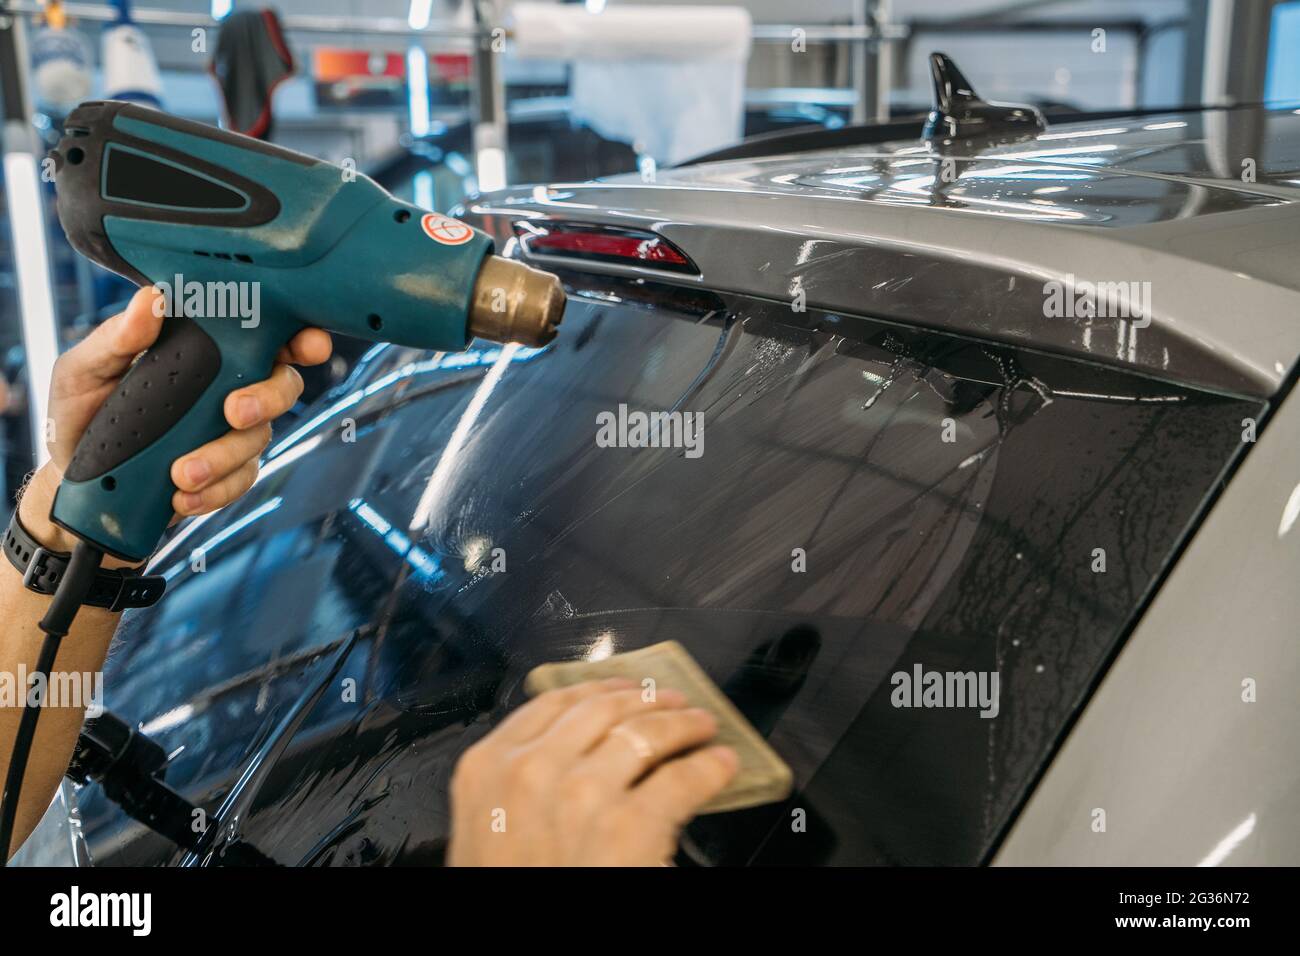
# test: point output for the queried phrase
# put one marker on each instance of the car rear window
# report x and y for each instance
(868, 501)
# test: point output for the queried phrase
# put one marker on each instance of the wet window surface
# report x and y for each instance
(373, 605)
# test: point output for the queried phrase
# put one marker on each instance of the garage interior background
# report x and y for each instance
(431, 98)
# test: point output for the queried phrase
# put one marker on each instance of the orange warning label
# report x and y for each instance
(444, 229)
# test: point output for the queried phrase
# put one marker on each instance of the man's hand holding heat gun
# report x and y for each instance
(207, 478)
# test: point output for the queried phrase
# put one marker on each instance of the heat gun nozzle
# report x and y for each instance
(515, 303)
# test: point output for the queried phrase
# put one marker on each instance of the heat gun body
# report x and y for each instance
(249, 243)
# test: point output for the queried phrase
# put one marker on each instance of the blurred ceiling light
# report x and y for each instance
(417, 90)
(422, 185)
(221, 8)
(35, 299)
(491, 168)
(418, 18)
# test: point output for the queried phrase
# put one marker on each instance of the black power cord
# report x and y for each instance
(56, 623)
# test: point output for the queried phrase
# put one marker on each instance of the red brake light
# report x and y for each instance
(602, 244)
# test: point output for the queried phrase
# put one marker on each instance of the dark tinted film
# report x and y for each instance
(949, 502)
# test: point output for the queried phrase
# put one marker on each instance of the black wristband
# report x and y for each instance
(43, 569)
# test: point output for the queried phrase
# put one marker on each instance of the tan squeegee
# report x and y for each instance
(763, 776)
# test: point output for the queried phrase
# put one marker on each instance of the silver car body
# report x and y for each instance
(1185, 754)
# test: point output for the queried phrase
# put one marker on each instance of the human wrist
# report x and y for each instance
(34, 512)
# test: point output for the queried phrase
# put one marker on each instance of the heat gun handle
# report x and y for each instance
(117, 490)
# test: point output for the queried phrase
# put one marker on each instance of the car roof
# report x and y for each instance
(1199, 147)
(1205, 146)
(1201, 206)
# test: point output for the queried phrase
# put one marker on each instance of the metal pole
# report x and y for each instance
(489, 102)
(1236, 51)
(884, 62)
(870, 59)
(859, 68)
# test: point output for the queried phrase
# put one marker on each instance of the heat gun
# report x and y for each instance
(225, 222)
(190, 207)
